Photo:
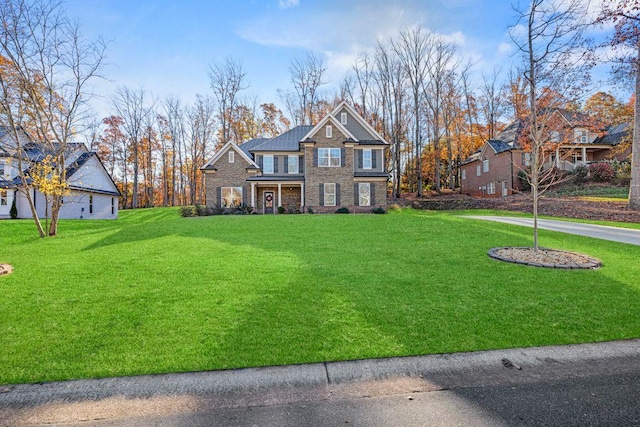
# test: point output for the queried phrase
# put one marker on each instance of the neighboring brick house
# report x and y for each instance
(574, 140)
(340, 162)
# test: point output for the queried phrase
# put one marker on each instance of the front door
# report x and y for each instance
(268, 202)
(505, 189)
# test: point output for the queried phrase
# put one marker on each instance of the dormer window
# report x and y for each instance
(343, 118)
(329, 131)
(581, 136)
(232, 156)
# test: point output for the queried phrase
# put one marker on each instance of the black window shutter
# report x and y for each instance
(372, 192)
(285, 162)
(343, 155)
(219, 196)
(315, 157)
(321, 195)
(337, 194)
(244, 196)
(374, 159)
(259, 158)
(301, 164)
(356, 196)
(360, 154)
(275, 164)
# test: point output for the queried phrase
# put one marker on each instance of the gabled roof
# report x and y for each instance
(229, 146)
(288, 141)
(252, 143)
(360, 120)
(499, 146)
(335, 122)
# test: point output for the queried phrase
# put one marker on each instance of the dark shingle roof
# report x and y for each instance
(371, 174)
(252, 143)
(288, 141)
(81, 160)
(371, 142)
(499, 146)
(615, 134)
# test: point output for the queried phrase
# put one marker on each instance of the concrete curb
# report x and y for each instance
(252, 380)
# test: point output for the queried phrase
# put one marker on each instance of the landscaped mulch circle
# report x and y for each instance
(549, 258)
(5, 269)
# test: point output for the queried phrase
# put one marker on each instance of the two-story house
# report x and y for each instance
(572, 139)
(92, 192)
(339, 162)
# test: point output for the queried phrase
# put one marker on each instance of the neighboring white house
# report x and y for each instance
(94, 195)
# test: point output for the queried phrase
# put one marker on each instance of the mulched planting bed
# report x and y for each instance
(549, 258)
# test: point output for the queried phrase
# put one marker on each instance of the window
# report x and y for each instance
(464, 174)
(267, 164)
(232, 156)
(90, 204)
(491, 188)
(343, 118)
(485, 165)
(364, 192)
(329, 130)
(581, 136)
(231, 197)
(3, 198)
(113, 206)
(329, 157)
(554, 136)
(293, 164)
(478, 171)
(1, 170)
(330, 194)
(526, 159)
(366, 159)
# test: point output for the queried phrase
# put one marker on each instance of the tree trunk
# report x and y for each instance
(634, 188)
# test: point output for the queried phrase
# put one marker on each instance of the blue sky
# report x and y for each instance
(167, 46)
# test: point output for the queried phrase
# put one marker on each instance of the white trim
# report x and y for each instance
(222, 150)
(323, 122)
(359, 119)
(232, 156)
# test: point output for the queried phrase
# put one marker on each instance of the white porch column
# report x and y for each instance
(253, 195)
(584, 155)
(279, 194)
(301, 195)
(558, 157)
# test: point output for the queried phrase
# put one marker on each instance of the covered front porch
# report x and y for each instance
(567, 158)
(268, 194)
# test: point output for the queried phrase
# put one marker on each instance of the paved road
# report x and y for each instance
(588, 384)
(616, 234)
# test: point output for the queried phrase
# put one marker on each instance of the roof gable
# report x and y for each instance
(359, 119)
(225, 148)
(329, 118)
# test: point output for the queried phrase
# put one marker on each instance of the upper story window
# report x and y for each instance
(232, 156)
(267, 163)
(329, 157)
(366, 159)
(526, 159)
(343, 118)
(329, 131)
(581, 136)
(554, 136)
(485, 165)
(478, 170)
(464, 174)
(293, 164)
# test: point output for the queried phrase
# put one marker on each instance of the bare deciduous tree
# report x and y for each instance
(226, 80)
(307, 75)
(46, 68)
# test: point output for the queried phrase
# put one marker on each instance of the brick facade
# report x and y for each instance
(503, 170)
(227, 174)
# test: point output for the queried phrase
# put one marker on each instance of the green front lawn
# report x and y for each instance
(153, 292)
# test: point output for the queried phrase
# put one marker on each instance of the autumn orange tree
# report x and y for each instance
(625, 16)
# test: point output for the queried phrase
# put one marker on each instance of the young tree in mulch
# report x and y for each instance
(554, 67)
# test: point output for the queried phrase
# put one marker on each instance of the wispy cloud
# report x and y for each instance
(285, 4)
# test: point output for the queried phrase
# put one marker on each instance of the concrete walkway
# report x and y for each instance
(615, 234)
